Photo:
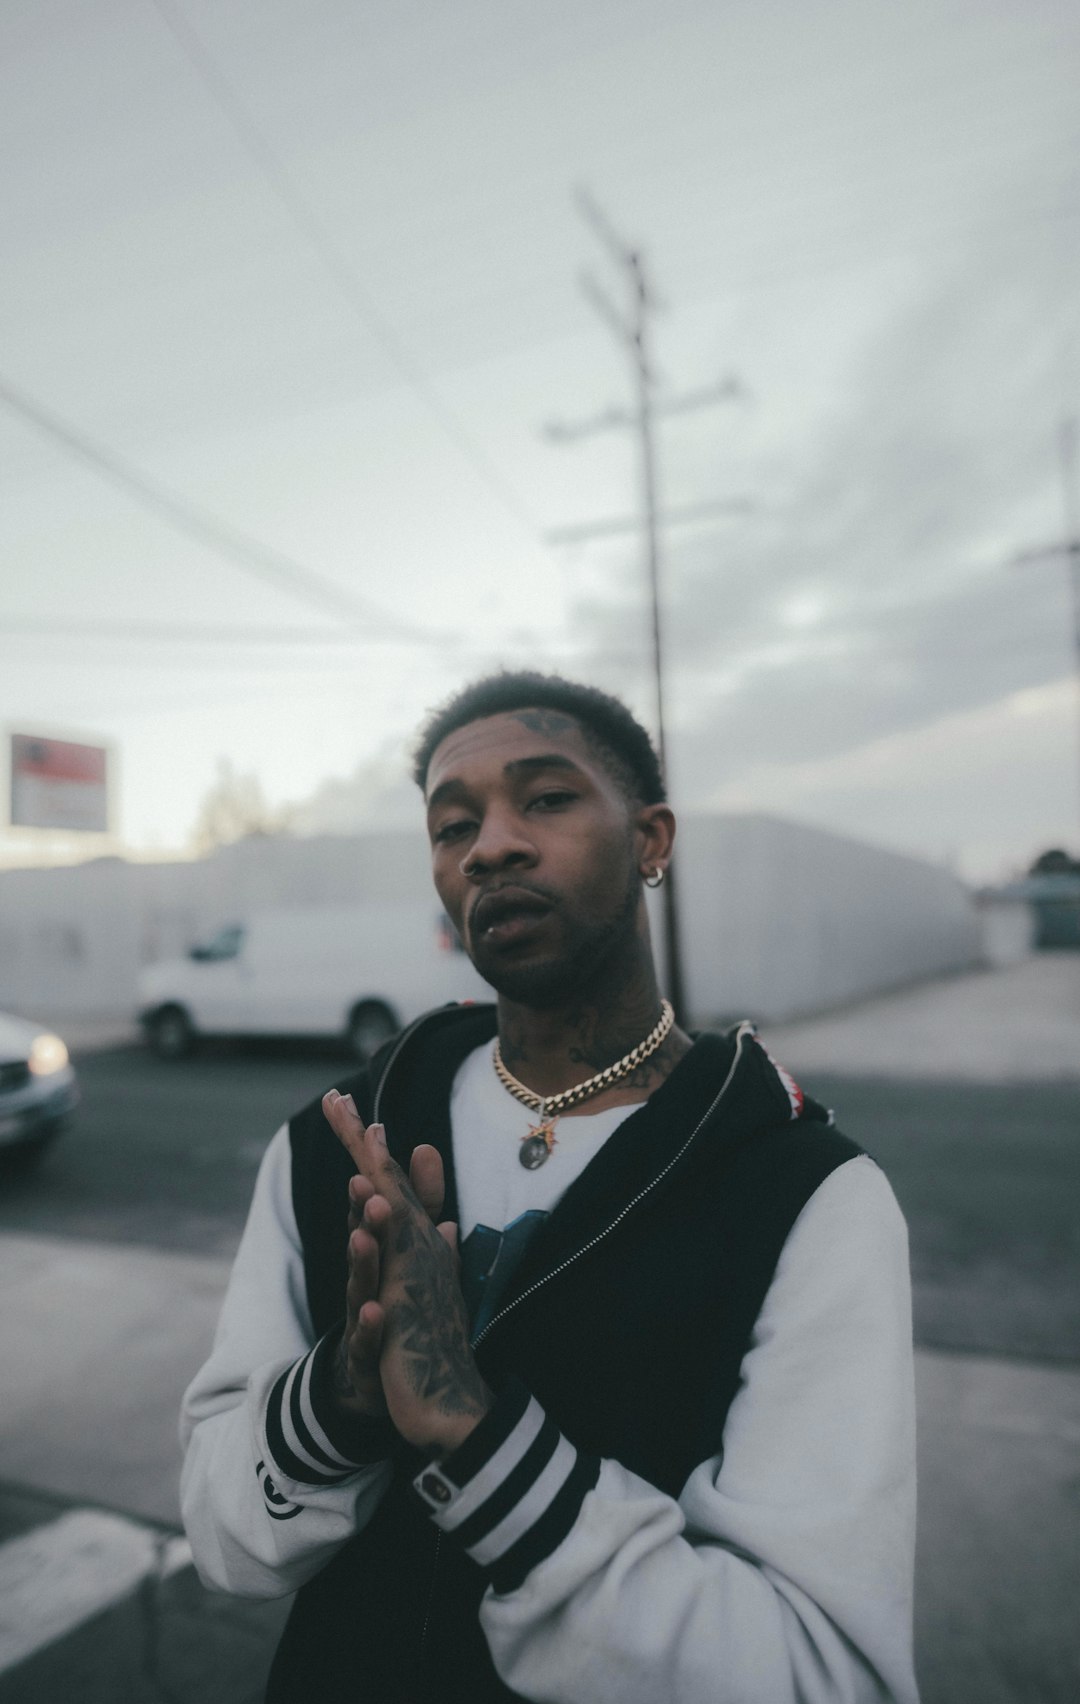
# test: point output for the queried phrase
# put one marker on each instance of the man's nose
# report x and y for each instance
(501, 842)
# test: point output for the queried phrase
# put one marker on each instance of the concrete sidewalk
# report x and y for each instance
(999, 1458)
(98, 1609)
(124, 1327)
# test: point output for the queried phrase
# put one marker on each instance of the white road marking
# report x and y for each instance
(59, 1575)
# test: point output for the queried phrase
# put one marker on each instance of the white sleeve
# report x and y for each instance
(267, 1491)
(783, 1572)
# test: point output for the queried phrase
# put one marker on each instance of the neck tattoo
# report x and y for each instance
(540, 1139)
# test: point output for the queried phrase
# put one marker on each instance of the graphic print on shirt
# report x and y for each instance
(489, 1259)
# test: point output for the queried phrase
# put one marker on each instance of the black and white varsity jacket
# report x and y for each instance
(697, 1481)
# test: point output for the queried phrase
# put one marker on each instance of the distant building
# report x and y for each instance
(778, 919)
(1052, 889)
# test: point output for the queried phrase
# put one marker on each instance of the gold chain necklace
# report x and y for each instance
(540, 1138)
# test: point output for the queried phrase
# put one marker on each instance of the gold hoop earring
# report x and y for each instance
(654, 877)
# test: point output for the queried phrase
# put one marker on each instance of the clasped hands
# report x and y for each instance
(405, 1349)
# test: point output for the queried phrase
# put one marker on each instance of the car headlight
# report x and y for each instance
(47, 1054)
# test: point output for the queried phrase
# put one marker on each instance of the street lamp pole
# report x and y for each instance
(635, 336)
(672, 943)
(633, 333)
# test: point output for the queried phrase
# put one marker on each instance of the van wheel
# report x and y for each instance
(171, 1033)
(370, 1024)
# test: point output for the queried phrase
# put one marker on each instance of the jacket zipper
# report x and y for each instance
(402, 1039)
(744, 1030)
(429, 1604)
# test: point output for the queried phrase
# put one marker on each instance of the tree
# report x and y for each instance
(1055, 862)
(233, 807)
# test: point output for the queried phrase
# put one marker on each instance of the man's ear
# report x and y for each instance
(654, 830)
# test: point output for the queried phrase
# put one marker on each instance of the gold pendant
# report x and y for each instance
(536, 1144)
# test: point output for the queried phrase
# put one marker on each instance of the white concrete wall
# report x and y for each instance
(72, 940)
(778, 919)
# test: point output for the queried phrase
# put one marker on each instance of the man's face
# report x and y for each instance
(533, 849)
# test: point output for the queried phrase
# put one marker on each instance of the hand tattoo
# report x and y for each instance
(428, 1321)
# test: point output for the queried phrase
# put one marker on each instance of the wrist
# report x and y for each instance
(355, 1431)
(513, 1491)
(450, 1431)
(348, 1401)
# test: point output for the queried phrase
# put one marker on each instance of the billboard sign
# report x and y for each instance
(58, 784)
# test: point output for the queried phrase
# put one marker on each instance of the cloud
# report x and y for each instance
(882, 597)
(986, 788)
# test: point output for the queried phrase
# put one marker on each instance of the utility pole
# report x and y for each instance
(1068, 549)
(633, 331)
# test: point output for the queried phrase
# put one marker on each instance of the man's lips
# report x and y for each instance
(507, 912)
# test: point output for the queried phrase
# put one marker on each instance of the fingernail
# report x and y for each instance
(379, 1134)
(331, 1095)
(349, 1101)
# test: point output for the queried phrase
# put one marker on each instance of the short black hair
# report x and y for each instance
(617, 738)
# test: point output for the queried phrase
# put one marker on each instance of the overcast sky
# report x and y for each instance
(311, 271)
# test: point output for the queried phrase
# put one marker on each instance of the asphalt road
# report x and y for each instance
(164, 1155)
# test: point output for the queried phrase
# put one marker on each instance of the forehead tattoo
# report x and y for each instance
(545, 721)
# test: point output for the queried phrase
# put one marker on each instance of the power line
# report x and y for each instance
(267, 564)
(251, 640)
(687, 514)
(730, 389)
(190, 633)
(335, 260)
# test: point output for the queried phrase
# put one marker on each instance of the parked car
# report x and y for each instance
(358, 973)
(38, 1088)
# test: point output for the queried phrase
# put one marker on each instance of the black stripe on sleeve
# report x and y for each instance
(301, 1428)
(507, 1495)
(546, 1534)
(290, 1465)
(362, 1441)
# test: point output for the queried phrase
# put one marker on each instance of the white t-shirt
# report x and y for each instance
(501, 1202)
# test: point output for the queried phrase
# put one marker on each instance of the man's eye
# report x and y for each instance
(552, 800)
(452, 831)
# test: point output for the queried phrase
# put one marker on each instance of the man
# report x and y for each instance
(652, 1438)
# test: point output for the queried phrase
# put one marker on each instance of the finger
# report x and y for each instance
(365, 1340)
(366, 1144)
(449, 1233)
(426, 1177)
(377, 1216)
(377, 1163)
(363, 1281)
(361, 1189)
(344, 1120)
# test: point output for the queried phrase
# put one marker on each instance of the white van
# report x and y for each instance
(358, 972)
